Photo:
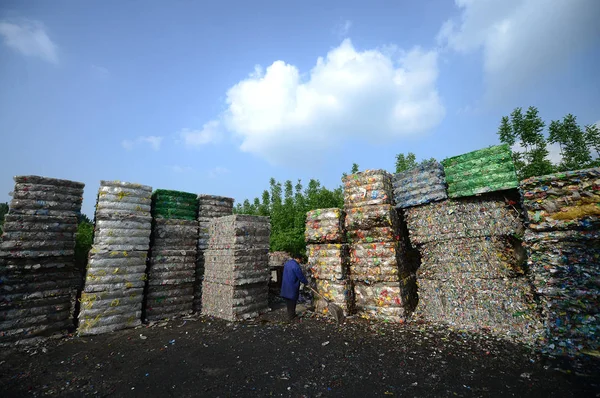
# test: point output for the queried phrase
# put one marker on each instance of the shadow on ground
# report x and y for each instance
(311, 357)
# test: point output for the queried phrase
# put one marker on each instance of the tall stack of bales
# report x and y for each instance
(383, 285)
(209, 208)
(563, 241)
(116, 273)
(328, 258)
(172, 262)
(472, 271)
(237, 274)
(38, 279)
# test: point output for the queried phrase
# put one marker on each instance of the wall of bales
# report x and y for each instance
(459, 242)
(481, 250)
(143, 264)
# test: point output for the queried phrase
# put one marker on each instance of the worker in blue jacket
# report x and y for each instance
(290, 285)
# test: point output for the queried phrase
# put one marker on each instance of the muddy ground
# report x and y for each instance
(311, 357)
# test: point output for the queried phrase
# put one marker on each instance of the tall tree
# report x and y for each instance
(527, 132)
(409, 161)
(354, 168)
(287, 206)
(404, 163)
(592, 139)
(574, 148)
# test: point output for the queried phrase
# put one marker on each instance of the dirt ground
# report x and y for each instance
(310, 357)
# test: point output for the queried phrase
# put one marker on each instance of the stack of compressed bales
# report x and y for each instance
(172, 260)
(471, 274)
(422, 184)
(116, 273)
(38, 279)
(209, 208)
(563, 243)
(486, 170)
(383, 285)
(328, 258)
(236, 276)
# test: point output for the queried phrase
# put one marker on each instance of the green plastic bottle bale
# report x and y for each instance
(485, 170)
(178, 214)
(174, 205)
(183, 196)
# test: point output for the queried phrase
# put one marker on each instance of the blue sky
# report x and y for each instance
(217, 97)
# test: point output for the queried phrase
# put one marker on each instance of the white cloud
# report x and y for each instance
(210, 133)
(375, 95)
(30, 39)
(153, 140)
(343, 28)
(521, 38)
(218, 171)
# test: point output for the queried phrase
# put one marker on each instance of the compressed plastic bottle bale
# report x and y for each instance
(179, 195)
(48, 181)
(24, 334)
(378, 262)
(505, 307)
(387, 294)
(565, 267)
(133, 245)
(328, 261)
(234, 303)
(340, 292)
(482, 257)
(131, 208)
(157, 292)
(34, 204)
(242, 230)
(16, 222)
(43, 189)
(46, 196)
(376, 234)
(368, 217)
(563, 201)
(10, 245)
(123, 194)
(38, 236)
(371, 187)
(163, 227)
(489, 215)
(212, 199)
(99, 325)
(171, 277)
(126, 197)
(422, 184)
(485, 170)
(325, 225)
(107, 233)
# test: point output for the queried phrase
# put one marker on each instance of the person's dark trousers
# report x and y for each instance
(291, 308)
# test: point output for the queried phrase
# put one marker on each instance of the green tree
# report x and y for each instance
(527, 132)
(574, 148)
(404, 163)
(409, 161)
(287, 205)
(353, 170)
(592, 139)
(83, 243)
